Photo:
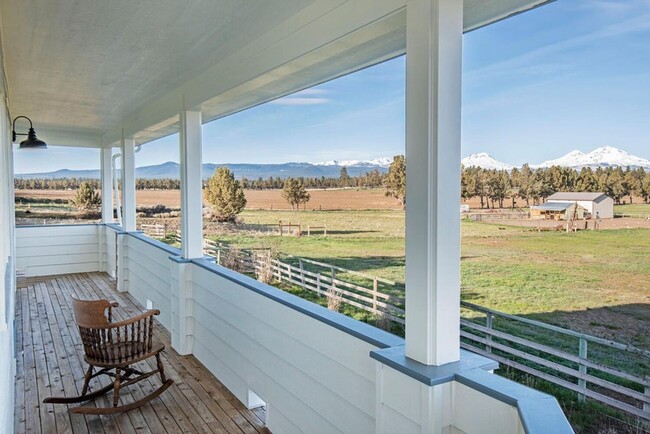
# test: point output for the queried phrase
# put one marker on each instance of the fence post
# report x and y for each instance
(280, 225)
(325, 230)
(582, 353)
(302, 272)
(318, 285)
(488, 323)
(374, 295)
(646, 391)
(333, 277)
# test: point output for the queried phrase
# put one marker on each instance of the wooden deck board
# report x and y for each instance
(50, 362)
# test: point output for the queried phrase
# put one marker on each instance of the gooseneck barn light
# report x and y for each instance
(31, 142)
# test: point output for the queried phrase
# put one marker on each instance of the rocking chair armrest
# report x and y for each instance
(134, 319)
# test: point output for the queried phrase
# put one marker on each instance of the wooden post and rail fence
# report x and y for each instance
(361, 297)
(577, 370)
(513, 341)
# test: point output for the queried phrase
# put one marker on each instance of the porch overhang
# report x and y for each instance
(89, 74)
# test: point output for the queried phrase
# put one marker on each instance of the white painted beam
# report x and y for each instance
(191, 185)
(106, 156)
(128, 184)
(433, 103)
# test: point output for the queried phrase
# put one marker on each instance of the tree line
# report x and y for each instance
(495, 187)
(372, 179)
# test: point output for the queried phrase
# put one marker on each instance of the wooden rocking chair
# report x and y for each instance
(115, 346)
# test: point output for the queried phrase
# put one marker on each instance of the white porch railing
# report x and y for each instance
(317, 371)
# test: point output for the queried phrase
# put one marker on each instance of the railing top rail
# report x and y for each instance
(590, 338)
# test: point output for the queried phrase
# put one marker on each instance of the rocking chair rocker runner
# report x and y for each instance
(115, 346)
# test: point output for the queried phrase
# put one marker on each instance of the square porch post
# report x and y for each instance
(107, 184)
(128, 184)
(191, 231)
(434, 31)
(191, 185)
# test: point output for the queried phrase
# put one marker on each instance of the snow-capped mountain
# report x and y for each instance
(605, 156)
(484, 161)
(568, 160)
(379, 162)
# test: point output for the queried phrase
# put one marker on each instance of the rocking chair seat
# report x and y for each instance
(137, 348)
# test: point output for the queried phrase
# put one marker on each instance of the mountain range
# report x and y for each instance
(170, 169)
(606, 156)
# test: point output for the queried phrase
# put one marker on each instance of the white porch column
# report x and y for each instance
(434, 31)
(191, 185)
(128, 184)
(107, 185)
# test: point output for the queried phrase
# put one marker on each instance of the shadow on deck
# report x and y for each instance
(50, 362)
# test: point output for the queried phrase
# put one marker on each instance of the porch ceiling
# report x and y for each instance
(85, 70)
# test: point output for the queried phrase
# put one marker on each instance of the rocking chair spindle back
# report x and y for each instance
(114, 346)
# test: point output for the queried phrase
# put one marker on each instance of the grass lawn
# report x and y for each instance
(595, 282)
(592, 281)
(635, 208)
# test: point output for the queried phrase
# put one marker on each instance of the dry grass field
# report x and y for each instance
(347, 199)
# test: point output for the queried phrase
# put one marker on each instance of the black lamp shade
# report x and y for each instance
(32, 142)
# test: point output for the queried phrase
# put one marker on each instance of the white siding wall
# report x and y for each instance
(605, 209)
(57, 249)
(313, 377)
(7, 270)
(475, 412)
(108, 246)
(147, 275)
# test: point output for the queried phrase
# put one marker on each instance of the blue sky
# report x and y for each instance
(574, 74)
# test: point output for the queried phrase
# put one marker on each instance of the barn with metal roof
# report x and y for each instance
(595, 204)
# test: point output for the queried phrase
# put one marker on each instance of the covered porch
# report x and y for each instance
(119, 77)
(50, 362)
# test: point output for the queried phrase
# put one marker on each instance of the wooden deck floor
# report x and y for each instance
(50, 362)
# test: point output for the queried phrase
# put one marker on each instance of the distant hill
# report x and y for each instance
(241, 170)
(606, 156)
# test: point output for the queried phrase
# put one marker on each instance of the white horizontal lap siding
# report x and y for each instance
(476, 412)
(319, 377)
(46, 250)
(149, 276)
(109, 251)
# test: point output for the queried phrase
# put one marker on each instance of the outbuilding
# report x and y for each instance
(595, 204)
(557, 211)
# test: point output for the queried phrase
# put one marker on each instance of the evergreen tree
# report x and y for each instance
(294, 193)
(225, 194)
(344, 178)
(396, 180)
(86, 198)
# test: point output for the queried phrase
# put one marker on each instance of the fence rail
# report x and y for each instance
(632, 215)
(577, 371)
(154, 230)
(368, 299)
(574, 371)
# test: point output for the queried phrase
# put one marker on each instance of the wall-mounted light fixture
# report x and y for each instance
(31, 142)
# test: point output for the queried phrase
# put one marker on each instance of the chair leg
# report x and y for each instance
(116, 391)
(87, 377)
(161, 368)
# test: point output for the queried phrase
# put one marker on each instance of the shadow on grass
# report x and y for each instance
(626, 324)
